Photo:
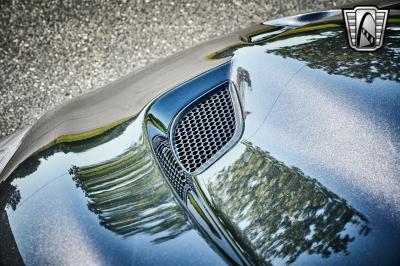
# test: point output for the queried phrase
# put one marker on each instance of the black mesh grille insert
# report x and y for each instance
(205, 129)
(179, 180)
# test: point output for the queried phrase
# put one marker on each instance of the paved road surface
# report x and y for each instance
(52, 51)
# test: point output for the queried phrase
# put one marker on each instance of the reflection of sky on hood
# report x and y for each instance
(316, 103)
(349, 135)
(266, 82)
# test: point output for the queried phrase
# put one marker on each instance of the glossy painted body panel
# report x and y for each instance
(100, 201)
(316, 178)
(313, 180)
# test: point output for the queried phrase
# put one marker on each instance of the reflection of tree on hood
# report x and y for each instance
(127, 194)
(333, 55)
(281, 212)
(9, 198)
(31, 164)
(130, 197)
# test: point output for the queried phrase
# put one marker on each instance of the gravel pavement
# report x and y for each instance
(52, 51)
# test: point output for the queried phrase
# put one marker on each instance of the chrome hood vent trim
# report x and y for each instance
(204, 113)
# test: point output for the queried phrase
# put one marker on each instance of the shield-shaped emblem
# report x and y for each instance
(365, 27)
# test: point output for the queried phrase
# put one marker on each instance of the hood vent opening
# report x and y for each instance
(180, 181)
(203, 131)
(199, 135)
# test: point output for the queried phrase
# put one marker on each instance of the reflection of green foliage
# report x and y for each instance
(263, 33)
(14, 199)
(333, 55)
(156, 122)
(307, 28)
(31, 164)
(227, 52)
(9, 196)
(281, 212)
(129, 196)
(79, 137)
(78, 146)
(127, 192)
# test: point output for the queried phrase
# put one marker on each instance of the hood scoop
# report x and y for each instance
(208, 127)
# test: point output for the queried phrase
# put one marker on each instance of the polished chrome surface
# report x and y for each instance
(161, 118)
(304, 19)
(160, 124)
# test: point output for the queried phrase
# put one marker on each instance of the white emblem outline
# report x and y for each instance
(349, 16)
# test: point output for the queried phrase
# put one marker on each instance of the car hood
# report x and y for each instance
(314, 177)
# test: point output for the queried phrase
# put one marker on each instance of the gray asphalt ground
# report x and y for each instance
(52, 51)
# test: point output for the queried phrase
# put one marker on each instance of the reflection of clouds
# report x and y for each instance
(129, 196)
(281, 212)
